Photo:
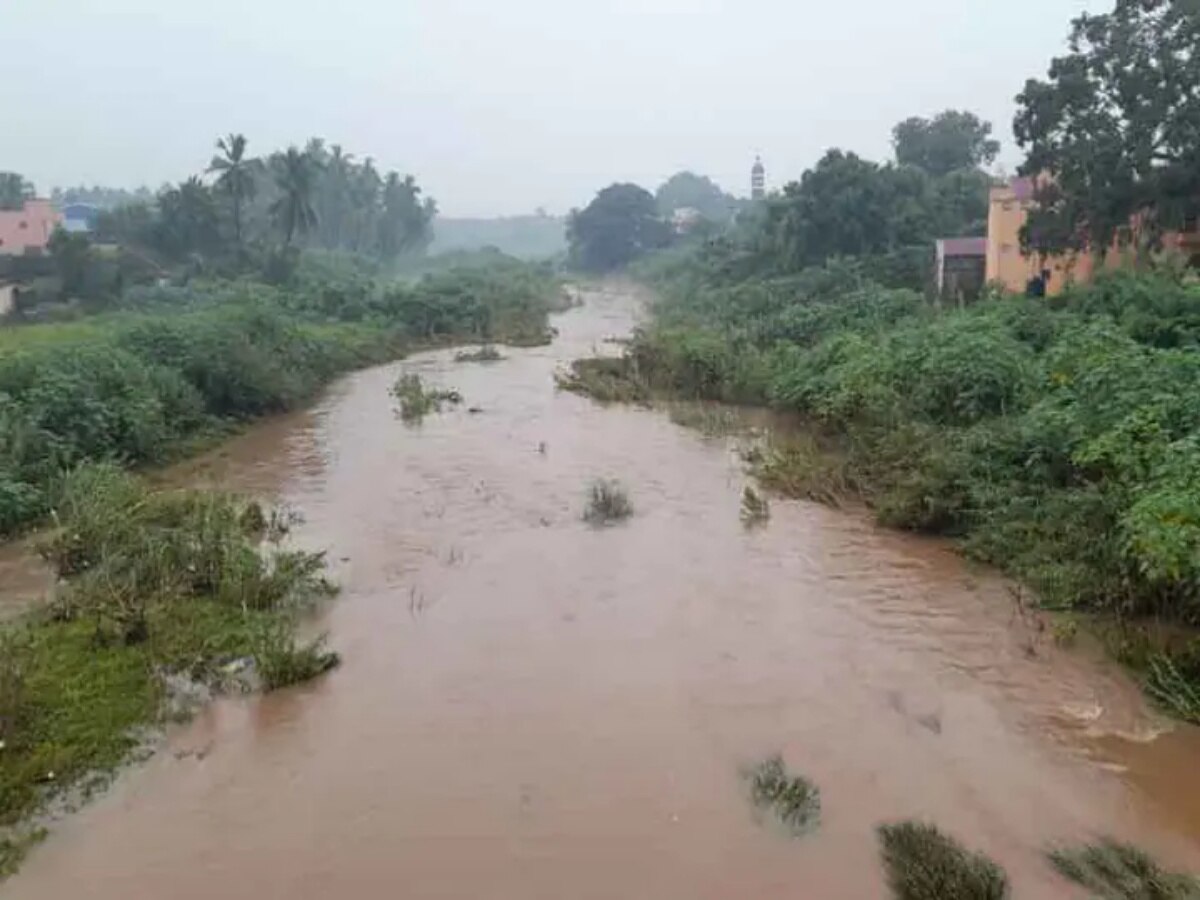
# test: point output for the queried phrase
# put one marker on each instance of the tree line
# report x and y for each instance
(317, 196)
(843, 206)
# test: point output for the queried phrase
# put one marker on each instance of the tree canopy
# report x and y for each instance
(14, 190)
(951, 140)
(687, 190)
(1114, 129)
(617, 227)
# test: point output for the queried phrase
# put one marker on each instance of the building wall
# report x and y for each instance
(1008, 208)
(27, 230)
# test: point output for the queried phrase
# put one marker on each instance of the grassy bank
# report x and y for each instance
(1055, 438)
(162, 598)
(136, 384)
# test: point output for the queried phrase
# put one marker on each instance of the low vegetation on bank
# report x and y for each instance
(162, 596)
(171, 365)
(1055, 438)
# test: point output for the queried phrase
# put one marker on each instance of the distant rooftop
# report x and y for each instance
(964, 246)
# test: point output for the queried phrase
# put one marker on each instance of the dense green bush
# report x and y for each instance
(179, 360)
(1058, 438)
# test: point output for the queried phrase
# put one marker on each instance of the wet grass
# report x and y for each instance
(800, 467)
(1167, 686)
(710, 419)
(1110, 870)
(155, 588)
(486, 353)
(607, 502)
(922, 863)
(605, 379)
(755, 508)
(792, 799)
(283, 661)
(14, 848)
(416, 401)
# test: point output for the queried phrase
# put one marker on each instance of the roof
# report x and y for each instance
(28, 228)
(964, 246)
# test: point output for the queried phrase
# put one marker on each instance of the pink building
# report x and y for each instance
(27, 230)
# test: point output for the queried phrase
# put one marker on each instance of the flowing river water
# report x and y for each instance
(532, 708)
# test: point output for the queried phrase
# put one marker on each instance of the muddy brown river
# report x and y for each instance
(532, 708)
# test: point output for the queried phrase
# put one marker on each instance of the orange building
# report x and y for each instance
(1008, 208)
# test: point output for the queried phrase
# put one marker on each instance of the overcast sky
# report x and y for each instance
(502, 106)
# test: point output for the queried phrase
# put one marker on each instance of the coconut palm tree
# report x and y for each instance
(234, 179)
(295, 177)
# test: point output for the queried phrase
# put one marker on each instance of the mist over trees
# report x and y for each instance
(315, 198)
(620, 224)
(687, 190)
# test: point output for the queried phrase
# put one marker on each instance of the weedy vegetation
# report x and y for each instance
(922, 863)
(791, 799)
(756, 510)
(155, 587)
(607, 503)
(486, 353)
(1110, 870)
(417, 401)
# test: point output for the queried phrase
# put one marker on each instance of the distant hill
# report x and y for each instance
(525, 237)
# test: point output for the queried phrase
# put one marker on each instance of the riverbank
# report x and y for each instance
(167, 596)
(522, 687)
(1051, 438)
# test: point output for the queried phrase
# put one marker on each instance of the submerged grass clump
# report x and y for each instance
(1114, 871)
(416, 401)
(486, 353)
(607, 502)
(710, 419)
(922, 863)
(792, 799)
(282, 661)
(755, 508)
(1167, 686)
(605, 379)
(801, 468)
(156, 589)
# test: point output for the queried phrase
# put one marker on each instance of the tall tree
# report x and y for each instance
(14, 190)
(405, 219)
(619, 225)
(187, 220)
(295, 177)
(951, 140)
(1114, 130)
(687, 190)
(234, 177)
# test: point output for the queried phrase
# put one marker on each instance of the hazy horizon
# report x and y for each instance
(499, 110)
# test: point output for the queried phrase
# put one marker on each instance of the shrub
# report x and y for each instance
(416, 401)
(922, 863)
(282, 662)
(792, 799)
(1115, 871)
(607, 503)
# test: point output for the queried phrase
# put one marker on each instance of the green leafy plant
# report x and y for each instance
(792, 799)
(922, 863)
(1111, 870)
